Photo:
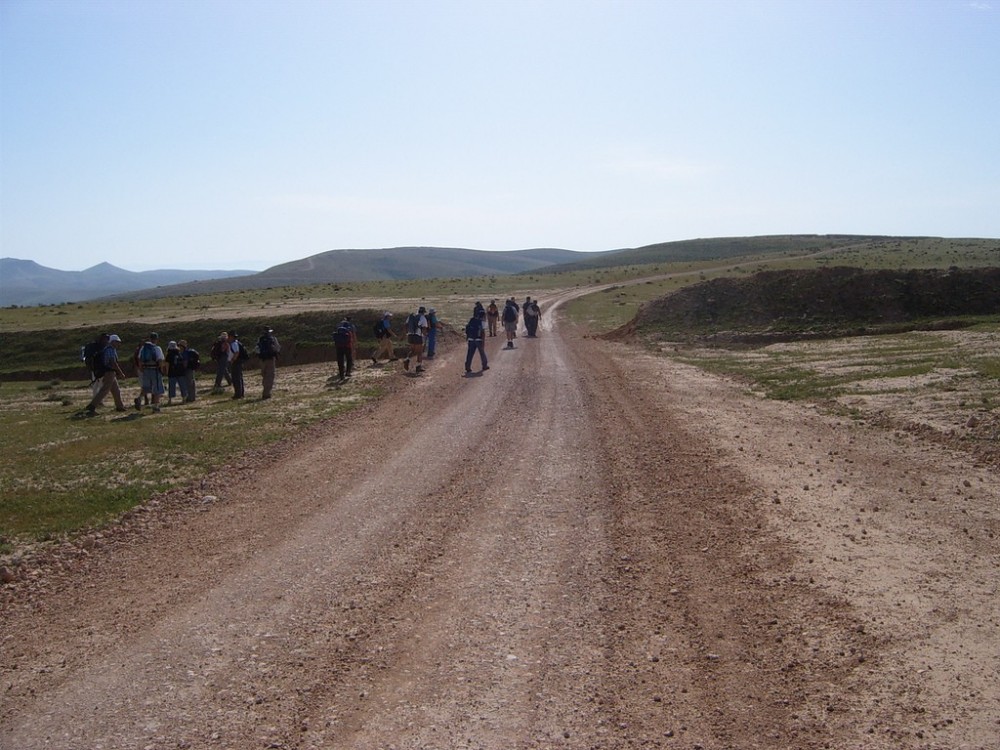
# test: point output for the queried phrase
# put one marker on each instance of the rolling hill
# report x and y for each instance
(25, 282)
(387, 264)
(789, 304)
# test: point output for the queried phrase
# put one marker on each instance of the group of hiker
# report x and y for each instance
(484, 323)
(420, 329)
(229, 355)
(180, 362)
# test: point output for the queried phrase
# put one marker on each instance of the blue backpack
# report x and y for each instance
(474, 328)
(147, 354)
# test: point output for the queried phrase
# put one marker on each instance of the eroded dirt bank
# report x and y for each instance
(586, 547)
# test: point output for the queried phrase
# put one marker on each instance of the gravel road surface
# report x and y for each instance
(587, 546)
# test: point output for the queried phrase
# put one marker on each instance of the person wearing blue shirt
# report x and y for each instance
(108, 370)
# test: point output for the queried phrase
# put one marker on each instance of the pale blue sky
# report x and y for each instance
(241, 134)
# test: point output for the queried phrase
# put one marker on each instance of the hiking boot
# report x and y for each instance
(419, 369)
(138, 403)
(485, 368)
(406, 363)
(374, 361)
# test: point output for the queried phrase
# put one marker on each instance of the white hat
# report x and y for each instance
(114, 337)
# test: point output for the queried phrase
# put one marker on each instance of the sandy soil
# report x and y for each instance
(585, 547)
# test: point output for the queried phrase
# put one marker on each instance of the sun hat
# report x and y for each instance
(114, 338)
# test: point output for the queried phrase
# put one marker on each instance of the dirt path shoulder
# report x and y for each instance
(584, 547)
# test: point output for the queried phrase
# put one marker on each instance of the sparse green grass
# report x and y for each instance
(64, 471)
(962, 365)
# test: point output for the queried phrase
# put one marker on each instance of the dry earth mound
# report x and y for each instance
(830, 301)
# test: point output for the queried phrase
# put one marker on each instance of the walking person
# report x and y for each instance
(531, 315)
(383, 339)
(475, 336)
(176, 376)
(151, 364)
(344, 342)
(268, 349)
(220, 355)
(509, 317)
(416, 330)
(107, 369)
(91, 355)
(493, 317)
(192, 361)
(432, 329)
(237, 356)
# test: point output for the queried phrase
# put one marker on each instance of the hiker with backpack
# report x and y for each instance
(150, 364)
(192, 361)
(475, 336)
(493, 317)
(416, 330)
(383, 339)
(268, 349)
(176, 377)
(532, 314)
(238, 354)
(108, 370)
(220, 355)
(345, 340)
(432, 329)
(90, 354)
(509, 318)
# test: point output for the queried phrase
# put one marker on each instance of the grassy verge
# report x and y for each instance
(64, 471)
(954, 371)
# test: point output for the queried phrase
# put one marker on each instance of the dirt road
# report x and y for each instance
(585, 547)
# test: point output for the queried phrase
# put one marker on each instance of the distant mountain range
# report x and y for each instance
(24, 282)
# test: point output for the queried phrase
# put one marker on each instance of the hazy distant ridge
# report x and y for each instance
(25, 282)
(385, 264)
(412, 263)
